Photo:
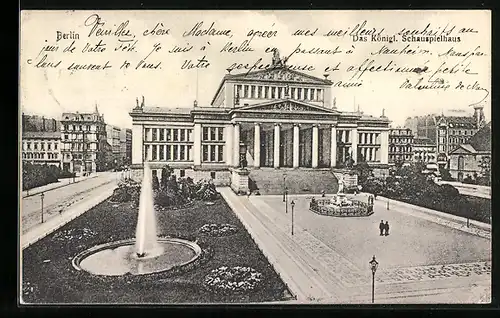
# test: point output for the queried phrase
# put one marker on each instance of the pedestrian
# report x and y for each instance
(386, 228)
(381, 227)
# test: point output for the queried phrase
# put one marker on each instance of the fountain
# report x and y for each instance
(146, 253)
(339, 205)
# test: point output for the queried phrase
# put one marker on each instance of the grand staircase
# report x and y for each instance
(298, 181)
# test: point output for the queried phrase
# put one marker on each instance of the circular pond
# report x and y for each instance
(119, 258)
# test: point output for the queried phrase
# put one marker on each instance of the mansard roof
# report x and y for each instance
(458, 121)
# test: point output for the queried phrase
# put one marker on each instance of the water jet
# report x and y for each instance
(147, 253)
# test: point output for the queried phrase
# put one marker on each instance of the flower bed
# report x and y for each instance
(58, 281)
(218, 229)
(74, 233)
(236, 279)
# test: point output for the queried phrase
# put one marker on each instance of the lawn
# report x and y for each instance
(49, 277)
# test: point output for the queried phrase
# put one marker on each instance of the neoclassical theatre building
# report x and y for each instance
(278, 117)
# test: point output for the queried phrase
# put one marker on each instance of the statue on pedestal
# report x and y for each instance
(341, 185)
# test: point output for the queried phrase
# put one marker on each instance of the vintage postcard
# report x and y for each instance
(271, 157)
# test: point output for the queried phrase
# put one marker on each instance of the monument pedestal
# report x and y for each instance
(239, 181)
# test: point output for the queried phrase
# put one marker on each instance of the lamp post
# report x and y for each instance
(286, 200)
(373, 267)
(42, 196)
(293, 205)
(243, 152)
(387, 203)
(284, 187)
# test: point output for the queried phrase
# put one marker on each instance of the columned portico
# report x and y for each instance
(296, 141)
(277, 130)
(284, 118)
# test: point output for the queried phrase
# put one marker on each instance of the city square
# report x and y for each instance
(274, 184)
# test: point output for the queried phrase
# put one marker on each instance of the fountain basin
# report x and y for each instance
(345, 208)
(119, 258)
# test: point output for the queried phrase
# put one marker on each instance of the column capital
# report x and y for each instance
(297, 125)
(277, 124)
(257, 123)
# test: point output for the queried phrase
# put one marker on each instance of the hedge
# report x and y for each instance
(416, 190)
(35, 175)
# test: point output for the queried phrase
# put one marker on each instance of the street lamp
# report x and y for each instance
(243, 152)
(387, 203)
(292, 204)
(286, 200)
(284, 187)
(373, 267)
(42, 196)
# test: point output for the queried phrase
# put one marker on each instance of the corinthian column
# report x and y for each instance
(236, 148)
(296, 145)
(333, 152)
(277, 145)
(315, 145)
(256, 145)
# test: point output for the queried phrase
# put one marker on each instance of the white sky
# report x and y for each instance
(50, 92)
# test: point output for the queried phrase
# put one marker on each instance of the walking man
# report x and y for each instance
(381, 227)
(386, 228)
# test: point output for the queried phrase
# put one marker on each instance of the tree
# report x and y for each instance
(445, 174)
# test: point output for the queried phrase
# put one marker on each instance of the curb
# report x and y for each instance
(269, 257)
(64, 219)
(54, 188)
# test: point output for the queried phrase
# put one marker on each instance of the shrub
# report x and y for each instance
(35, 175)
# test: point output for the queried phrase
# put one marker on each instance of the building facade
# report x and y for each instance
(41, 147)
(113, 139)
(126, 146)
(400, 145)
(82, 136)
(453, 131)
(34, 123)
(276, 117)
(472, 159)
(423, 126)
(424, 150)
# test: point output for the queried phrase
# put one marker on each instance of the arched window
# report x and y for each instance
(461, 163)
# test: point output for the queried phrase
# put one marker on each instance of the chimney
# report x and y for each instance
(142, 105)
(479, 116)
(43, 124)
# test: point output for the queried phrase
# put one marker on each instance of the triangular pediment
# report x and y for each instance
(280, 74)
(287, 105)
(463, 149)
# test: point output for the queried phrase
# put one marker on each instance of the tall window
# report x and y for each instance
(266, 92)
(273, 92)
(245, 91)
(205, 133)
(162, 151)
(259, 91)
(252, 89)
(162, 134)
(176, 134)
(205, 153)
(220, 130)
